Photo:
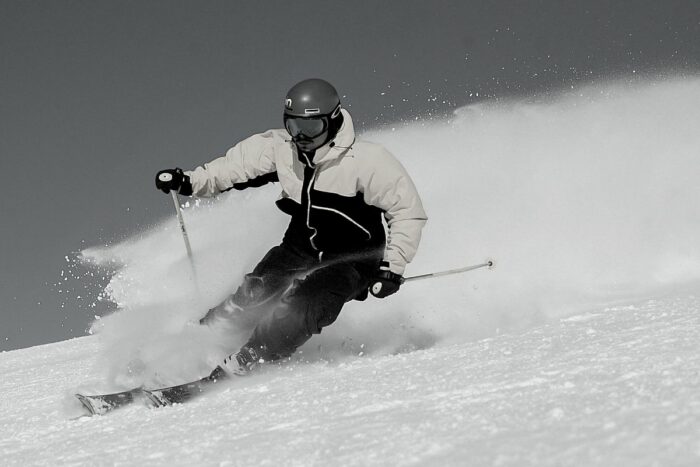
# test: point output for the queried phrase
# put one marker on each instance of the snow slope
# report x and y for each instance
(579, 348)
(612, 386)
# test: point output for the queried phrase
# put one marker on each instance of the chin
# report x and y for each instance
(306, 146)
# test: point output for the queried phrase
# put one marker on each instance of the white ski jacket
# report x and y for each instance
(340, 196)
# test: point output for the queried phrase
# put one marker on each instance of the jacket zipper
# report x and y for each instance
(310, 166)
(308, 209)
(308, 216)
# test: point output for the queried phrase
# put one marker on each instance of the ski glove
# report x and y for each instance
(174, 179)
(385, 283)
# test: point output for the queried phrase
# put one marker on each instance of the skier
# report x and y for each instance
(337, 190)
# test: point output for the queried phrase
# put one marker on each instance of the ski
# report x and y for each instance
(181, 392)
(100, 404)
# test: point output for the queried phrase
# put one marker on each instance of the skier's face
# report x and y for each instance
(306, 128)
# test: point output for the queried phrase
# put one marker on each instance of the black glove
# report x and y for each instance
(174, 179)
(385, 283)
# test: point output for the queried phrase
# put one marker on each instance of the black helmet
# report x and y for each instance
(312, 114)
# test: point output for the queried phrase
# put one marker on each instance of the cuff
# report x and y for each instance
(186, 186)
(393, 267)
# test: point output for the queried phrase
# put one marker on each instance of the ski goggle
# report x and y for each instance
(309, 127)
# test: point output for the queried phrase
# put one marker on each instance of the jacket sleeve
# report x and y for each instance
(251, 158)
(390, 188)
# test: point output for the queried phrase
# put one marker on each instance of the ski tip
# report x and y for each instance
(86, 404)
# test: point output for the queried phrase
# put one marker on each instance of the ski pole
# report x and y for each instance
(487, 264)
(186, 239)
(166, 177)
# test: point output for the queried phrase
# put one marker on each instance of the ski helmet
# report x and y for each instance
(312, 114)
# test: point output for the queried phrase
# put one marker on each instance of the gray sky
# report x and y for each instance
(97, 96)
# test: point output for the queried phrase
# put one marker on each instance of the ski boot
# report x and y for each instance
(239, 364)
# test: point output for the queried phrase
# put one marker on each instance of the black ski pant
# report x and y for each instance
(291, 295)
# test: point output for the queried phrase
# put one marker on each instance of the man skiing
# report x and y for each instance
(337, 190)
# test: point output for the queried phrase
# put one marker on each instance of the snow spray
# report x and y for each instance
(584, 198)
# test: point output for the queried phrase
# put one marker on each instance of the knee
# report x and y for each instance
(257, 290)
(251, 291)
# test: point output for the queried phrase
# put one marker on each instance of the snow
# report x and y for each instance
(581, 347)
(619, 386)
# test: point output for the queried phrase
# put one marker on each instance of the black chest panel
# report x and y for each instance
(332, 223)
(344, 223)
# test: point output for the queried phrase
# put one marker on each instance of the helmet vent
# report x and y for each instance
(312, 111)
